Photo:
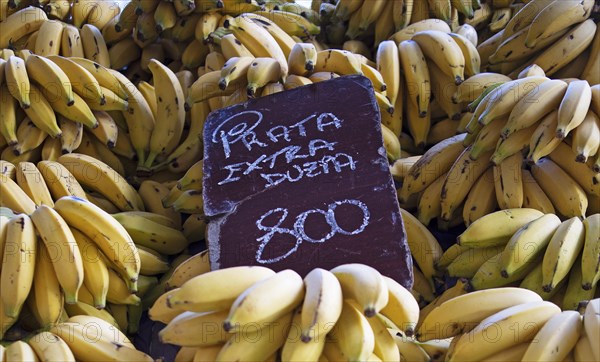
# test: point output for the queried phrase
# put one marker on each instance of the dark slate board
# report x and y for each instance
(300, 180)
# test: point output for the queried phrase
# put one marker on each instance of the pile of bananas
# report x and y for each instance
(510, 324)
(523, 148)
(78, 338)
(352, 312)
(557, 260)
(253, 313)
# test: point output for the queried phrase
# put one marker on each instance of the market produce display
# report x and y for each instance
(490, 114)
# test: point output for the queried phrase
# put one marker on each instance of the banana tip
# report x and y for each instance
(70, 102)
(370, 312)
(306, 339)
(547, 288)
(227, 326)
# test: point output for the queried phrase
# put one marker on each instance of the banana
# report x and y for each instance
(402, 308)
(190, 268)
(469, 50)
(410, 350)
(8, 121)
(481, 199)
(443, 50)
(543, 140)
(152, 193)
(562, 250)
(29, 137)
(292, 23)
(337, 61)
(555, 17)
(252, 306)
(21, 23)
(119, 292)
(51, 77)
(590, 72)
(294, 349)
(527, 243)
(94, 46)
(505, 97)
(352, 338)
(108, 343)
(221, 296)
(591, 321)
(123, 53)
(363, 284)
(583, 349)
(388, 64)
(418, 127)
(257, 346)
(467, 263)
(20, 351)
(46, 299)
(13, 197)
(460, 178)
(571, 200)
(81, 80)
(400, 167)
(17, 80)
(50, 347)
(424, 247)
(506, 222)
(591, 249)
(261, 72)
(533, 195)
(189, 329)
(107, 182)
(70, 42)
(41, 113)
(257, 40)
(513, 50)
(7, 169)
(528, 318)
(321, 307)
(207, 87)
(104, 77)
(574, 293)
(106, 232)
(232, 47)
(59, 180)
(486, 138)
(56, 235)
(160, 310)
(150, 234)
(429, 201)
(531, 71)
(434, 163)
(192, 178)
(194, 227)
(461, 314)
(416, 72)
(107, 130)
(31, 181)
(559, 335)
(49, 38)
(534, 106)
(344, 8)
(574, 107)
(586, 137)
(564, 50)
(18, 263)
(302, 58)
(508, 182)
(95, 276)
(165, 16)
(170, 114)
(234, 71)
(189, 202)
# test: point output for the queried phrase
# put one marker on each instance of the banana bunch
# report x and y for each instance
(70, 341)
(252, 313)
(559, 37)
(556, 259)
(531, 142)
(526, 328)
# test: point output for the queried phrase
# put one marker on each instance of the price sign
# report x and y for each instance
(300, 180)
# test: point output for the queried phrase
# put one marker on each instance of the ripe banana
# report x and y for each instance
(562, 251)
(388, 64)
(17, 80)
(106, 232)
(574, 107)
(586, 137)
(443, 50)
(533, 195)
(322, 305)
(20, 250)
(261, 72)
(49, 346)
(556, 338)
(365, 285)
(506, 222)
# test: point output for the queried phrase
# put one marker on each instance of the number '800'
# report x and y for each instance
(298, 231)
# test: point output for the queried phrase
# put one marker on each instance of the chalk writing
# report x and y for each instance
(298, 233)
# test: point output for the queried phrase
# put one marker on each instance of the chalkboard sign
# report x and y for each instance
(300, 179)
